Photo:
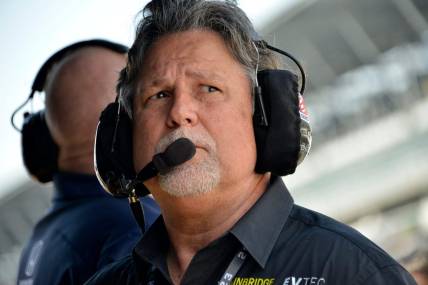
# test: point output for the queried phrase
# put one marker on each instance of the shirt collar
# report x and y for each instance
(259, 229)
(74, 186)
(153, 246)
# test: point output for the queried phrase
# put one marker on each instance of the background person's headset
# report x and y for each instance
(281, 128)
(39, 151)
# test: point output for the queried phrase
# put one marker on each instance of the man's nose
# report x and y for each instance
(183, 111)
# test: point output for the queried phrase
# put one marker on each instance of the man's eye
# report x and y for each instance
(159, 95)
(209, 89)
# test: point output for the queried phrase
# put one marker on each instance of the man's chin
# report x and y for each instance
(191, 179)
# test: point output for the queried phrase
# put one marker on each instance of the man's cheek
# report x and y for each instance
(141, 152)
(151, 183)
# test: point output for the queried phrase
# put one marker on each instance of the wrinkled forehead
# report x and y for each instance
(198, 54)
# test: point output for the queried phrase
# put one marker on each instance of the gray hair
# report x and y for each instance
(163, 17)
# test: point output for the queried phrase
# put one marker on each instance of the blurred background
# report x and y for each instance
(367, 95)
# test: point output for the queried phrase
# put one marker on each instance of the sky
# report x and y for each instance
(31, 31)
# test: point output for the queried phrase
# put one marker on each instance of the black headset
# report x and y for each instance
(281, 127)
(39, 151)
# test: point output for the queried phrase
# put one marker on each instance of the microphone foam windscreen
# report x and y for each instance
(175, 154)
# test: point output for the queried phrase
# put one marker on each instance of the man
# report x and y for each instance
(417, 264)
(190, 73)
(85, 228)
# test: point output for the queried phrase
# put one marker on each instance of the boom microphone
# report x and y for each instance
(178, 152)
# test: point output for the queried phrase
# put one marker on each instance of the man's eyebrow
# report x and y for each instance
(156, 81)
(200, 74)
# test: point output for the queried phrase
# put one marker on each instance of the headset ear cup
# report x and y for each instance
(278, 144)
(39, 151)
(113, 150)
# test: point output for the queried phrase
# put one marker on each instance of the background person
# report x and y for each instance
(417, 264)
(85, 228)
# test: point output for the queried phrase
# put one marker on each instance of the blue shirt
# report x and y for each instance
(84, 230)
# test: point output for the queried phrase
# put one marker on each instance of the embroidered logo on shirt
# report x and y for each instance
(304, 281)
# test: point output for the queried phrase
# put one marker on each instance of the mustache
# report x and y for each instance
(200, 139)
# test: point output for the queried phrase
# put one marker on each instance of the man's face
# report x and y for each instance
(191, 86)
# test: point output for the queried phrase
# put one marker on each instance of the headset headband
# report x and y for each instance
(40, 79)
(39, 151)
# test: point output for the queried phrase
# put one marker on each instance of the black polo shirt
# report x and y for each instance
(285, 244)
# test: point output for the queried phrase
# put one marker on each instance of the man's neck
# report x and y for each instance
(194, 222)
(77, 161)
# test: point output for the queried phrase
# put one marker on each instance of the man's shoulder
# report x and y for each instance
(116, 211)
(326, 232)
(312, 244)
(338, 250)
(122, 271)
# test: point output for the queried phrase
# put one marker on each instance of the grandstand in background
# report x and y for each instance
(367, 64)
